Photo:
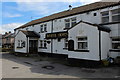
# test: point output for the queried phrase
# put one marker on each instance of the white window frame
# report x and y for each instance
(41, 43)
(18, 43)
(66, 43)
(67, 22)
(105, 16)
(82, 41)
(43, 28)
(70, 22)
(73, 20)
(45, 43)
(115, 14)
(115, 42)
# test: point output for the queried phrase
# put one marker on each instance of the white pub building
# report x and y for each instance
(89, 32)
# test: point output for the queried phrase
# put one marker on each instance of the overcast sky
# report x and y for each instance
(18, 12)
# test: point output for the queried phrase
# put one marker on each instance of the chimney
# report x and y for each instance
(6, 33)
(9, 31)
(70, 7)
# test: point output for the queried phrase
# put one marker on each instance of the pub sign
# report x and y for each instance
(57, 35)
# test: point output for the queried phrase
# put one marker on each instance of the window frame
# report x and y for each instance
(67, 22)
(72, 21)
(115, 42)
(115, 14)
(105, 16)
(82, 41)
(41, 43)
(66, 42)
(45, 44)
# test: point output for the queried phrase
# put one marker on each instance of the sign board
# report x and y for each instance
(57, 35)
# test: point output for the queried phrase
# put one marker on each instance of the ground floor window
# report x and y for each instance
(43, 44)
(82, 43)
(18, 43)
(116, 43)
(66, 43)
(21, 43)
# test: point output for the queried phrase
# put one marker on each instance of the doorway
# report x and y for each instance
(33, 46)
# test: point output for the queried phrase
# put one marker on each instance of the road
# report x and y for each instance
(33, 67)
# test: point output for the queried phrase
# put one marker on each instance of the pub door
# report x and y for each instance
(33, 46)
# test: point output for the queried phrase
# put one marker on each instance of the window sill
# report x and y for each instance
(19, 47)
(66, 28)
(114, 50)
(43, 47)
(65, 48)
(78, 50)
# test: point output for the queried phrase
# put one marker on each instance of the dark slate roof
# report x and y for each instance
(100, 27)
(30, 33)
(77, 10)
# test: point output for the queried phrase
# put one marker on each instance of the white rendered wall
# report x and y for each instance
(105, 44)
(21, 36)
(93, 42)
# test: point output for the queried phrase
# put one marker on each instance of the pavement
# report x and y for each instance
(37, 67)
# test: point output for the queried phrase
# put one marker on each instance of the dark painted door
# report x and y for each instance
(70, 45)
(33, 46)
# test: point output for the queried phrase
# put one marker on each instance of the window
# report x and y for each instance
(70, 22)
(95, 14)
(105, 17)
(66, 43)
(23, 44)
(45, 44)
(41, 43)
(27, 29)
(45, 27)
(18, 43)
(73, 21)
(67, 23)
(41, 28)
(115, 43)
(82, 43)
(115, 15)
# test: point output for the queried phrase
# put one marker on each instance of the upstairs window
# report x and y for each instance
(115, 43)
(70, 22)
(82, 43)
(67, 23)
(43, 28)
(73, 21)
(105, 17)
(115, 15)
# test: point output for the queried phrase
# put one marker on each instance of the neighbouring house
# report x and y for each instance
(0, 40)
(89, 32)
(8, 40)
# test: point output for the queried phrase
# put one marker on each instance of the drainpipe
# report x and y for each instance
(27, 45)
(52, 39)
(100, 45)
